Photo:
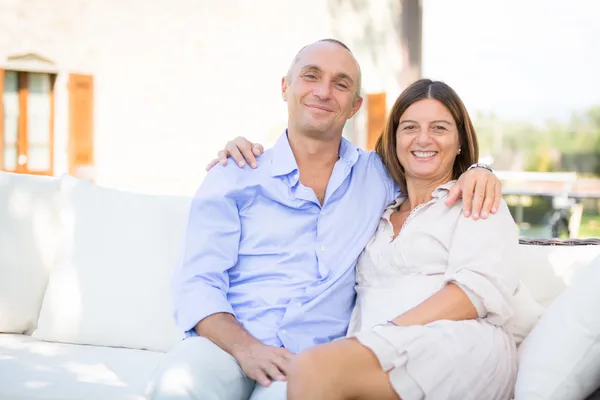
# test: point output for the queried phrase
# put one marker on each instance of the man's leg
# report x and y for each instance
(198, 369)
(275, 391)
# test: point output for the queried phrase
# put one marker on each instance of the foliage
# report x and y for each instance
(550, 147)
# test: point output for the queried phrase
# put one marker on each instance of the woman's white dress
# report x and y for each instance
(473, 359)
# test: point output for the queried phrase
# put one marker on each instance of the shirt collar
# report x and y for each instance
(438, 193)
(284, 162)
(442, 190)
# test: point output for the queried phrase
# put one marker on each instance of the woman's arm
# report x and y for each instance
(481, 277)
(450, 303)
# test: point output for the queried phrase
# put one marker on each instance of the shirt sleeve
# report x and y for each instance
(201, 281)
(392, 190)
(482, 263)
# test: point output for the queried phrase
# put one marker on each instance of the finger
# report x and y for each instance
(283, 364)
(222, 156)
(244, 146)
(273, 372)
(453, 195)
(285, 353)
(488, 202)
(247, 151)
(497, 197)
(261, 377)
(236, 155)
(212, 164)
(478, 197)
(258, 149)
(467, 196)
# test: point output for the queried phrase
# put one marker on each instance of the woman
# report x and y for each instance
(433, 287)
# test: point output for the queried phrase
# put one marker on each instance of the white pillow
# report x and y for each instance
(527, 313)
(28, 222)
(560, 359)
(547, 270)
(111, 285)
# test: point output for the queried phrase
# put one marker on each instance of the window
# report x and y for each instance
(26, 122)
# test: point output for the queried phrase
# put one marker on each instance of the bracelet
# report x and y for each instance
(388, 322)
(481, 165)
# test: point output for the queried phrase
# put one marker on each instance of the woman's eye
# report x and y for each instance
(440, 127)
(409, 127)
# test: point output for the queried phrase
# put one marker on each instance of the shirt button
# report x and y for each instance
(283, 332)
(298, 304)
(323, 249)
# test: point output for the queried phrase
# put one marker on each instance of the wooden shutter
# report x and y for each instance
(1, 119)
(81, 125)
(376, 113)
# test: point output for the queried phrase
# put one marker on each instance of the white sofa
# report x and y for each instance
(85, 301)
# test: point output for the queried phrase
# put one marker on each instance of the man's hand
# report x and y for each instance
(241, 150)
(481, 192)
(263, 363)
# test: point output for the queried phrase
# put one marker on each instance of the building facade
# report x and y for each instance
(140, 95)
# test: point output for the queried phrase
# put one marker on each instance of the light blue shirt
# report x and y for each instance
(260, 246)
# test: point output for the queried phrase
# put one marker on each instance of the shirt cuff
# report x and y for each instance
(475, 299)
(487, 298)
(196, 305)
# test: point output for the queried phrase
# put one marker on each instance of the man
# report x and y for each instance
(268, 269)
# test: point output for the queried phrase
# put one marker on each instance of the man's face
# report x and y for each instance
(321, 91)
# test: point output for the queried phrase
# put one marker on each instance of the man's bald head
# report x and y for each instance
(339, 43)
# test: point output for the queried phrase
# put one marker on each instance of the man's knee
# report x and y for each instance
(198, 369)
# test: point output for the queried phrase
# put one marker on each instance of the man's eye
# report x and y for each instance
(342, 85)
(310, 76)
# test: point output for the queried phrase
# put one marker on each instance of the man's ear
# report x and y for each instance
(356, 106)
(284, 86)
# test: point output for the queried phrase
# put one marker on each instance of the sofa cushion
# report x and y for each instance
(526, 313)
(547, 270)
(28, 225)
(560, 359)
(31, 369)
(111, 283)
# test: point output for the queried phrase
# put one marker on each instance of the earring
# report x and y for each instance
(458, 152)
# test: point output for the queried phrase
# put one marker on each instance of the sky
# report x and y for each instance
(521, 59)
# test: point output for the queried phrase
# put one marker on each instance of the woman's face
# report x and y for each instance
(427, 141)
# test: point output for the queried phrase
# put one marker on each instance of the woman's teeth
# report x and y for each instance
(424, 154)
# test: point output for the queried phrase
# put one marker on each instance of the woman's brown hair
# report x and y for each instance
(428, 89)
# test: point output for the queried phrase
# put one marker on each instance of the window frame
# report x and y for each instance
(22, 130)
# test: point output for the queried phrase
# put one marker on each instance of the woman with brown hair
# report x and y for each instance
(433, 287)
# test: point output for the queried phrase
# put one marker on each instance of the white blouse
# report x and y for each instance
(437, 245)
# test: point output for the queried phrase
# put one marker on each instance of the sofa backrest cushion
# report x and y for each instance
(548, 270)
(29, 222)
(111, 284)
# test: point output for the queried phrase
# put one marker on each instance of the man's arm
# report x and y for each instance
(201, 283)
(225, 331)
(479, 188)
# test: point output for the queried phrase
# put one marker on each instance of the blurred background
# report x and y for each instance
(141, 94)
